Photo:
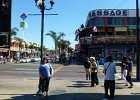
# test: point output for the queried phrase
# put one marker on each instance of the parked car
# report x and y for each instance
(25, 60)
(34, 59)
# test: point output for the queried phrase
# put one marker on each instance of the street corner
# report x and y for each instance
(136, 83)
(17, 87)
(23, 89)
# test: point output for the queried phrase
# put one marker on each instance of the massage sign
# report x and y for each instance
(108, 13)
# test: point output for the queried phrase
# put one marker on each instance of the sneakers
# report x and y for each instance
(39, 92)
(130, 86)
(45, 94)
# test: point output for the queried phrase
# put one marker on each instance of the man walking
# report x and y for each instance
(109, 82)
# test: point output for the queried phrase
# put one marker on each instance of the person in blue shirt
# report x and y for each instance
(45, 72)
(129, 71)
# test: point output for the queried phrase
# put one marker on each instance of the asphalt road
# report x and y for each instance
(30, 70)
(20, 81)
(16, 72)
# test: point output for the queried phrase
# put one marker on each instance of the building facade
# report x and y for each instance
(19, 49)
(109, 32)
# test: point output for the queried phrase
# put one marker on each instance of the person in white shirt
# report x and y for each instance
(109, 81)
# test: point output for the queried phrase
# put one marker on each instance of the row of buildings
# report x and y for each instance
(108, 32)
(20, 49)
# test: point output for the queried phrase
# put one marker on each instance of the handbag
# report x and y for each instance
(131, 73)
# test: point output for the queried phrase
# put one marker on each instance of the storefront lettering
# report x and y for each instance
(114, 50)
(108, 13)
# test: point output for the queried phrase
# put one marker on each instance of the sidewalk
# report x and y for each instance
(66, 90)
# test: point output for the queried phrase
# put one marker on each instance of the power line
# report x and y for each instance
(120, 4)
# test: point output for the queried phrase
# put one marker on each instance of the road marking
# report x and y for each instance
(58, 69)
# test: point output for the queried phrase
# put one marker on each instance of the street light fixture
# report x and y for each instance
(3, 6)
(5, 22)
(41, 5)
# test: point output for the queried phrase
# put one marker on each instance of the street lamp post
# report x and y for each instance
(41, 5)
(137, 47)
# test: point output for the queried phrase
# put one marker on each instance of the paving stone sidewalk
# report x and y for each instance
(65, 90)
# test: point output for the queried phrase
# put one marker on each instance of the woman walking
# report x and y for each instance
(124, 66)
(93, 69)
(45, 72)
(129, 72)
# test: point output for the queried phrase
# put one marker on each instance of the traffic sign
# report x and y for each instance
(23, 16)
(23, 24)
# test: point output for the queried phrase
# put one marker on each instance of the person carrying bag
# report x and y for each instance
(109, 81)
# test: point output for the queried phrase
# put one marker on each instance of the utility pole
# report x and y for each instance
(42, 29)
(137, 47)
(41, 5)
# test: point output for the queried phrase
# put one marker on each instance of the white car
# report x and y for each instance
(25, 60)
(34, 59)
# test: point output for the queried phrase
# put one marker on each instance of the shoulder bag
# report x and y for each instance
(106, 68)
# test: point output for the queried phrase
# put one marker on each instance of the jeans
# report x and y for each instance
(94, 78)
(109, 84)
(128, 78)
(45, 84)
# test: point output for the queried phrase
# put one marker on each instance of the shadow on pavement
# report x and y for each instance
(22, 97)
(80, 84)
(81, 81)
(135, 80)
(76, 96)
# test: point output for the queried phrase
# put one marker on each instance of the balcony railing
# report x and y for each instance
(108, 39)
(117, 38)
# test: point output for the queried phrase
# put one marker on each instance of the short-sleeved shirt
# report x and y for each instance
(111, 70)
(45, 70)
(87, 64)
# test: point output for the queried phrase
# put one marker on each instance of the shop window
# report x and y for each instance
(119, 21)
(131, 20)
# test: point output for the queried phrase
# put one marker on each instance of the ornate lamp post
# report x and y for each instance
(41, 5)
(5, 23)
(138, 47)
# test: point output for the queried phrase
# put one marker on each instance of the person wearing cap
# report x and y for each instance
(93, 70)
(45, 73)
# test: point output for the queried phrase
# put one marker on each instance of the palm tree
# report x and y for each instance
(14, 31)
(55, 38)
(63, 44)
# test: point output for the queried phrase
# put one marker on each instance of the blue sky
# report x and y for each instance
(71, 14)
